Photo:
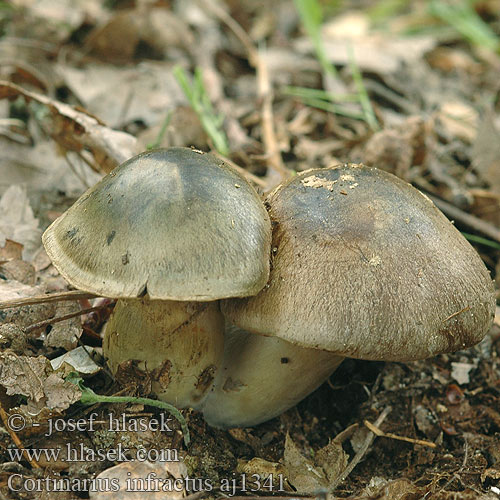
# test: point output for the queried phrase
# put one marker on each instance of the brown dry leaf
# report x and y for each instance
(156, 28)
(59, 393)
(145, 92)
(34, 378)
(11, 250)
(66, 333)
(26, 315)
(378, 52)
(398, 148)
(399, 489)
(41, 168)
(451, 59)
(24, 375)
(184, 129)
(128, 476)
(333, 459)
(486, 203)
(301, 473)
(17, 221)
(13, 338)
(458, 120)
(264, 469)
(76, 130)
(18, 270)
(54, 20)
(486, 151)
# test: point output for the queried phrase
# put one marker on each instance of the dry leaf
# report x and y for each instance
(486, 151)
(378, 52)
(26, 315)
(59, 393)
(11, 250)
(66, 333)
(460, 372)
(301, 473)
(41, 168)
(145, 92)
(24, 375)
(400, 489)
(155, 27)
(76, 130)
(459, 120)
(34, 378)
(13, 338)
(17, 221)
(264, 469)
(333, 459)
(78, 360)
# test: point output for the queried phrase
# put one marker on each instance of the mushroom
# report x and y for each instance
(261, 377)
(168, 233)
(363, 266)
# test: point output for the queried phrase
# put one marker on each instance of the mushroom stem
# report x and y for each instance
(179, 345)
(261, 377)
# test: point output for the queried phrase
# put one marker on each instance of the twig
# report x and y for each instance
(277, 171)
(456, 313)
(467, 219)
(73, 168)
(360, 454)
(43, 299)
(15, 438)
(236, 28)
(258, 181)
(42, 324)
(456, 475)
(390, 435)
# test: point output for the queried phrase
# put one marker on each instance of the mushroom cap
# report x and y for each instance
(365, 266)
(177, 223)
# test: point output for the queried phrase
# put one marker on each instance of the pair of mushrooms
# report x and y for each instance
(240, 312)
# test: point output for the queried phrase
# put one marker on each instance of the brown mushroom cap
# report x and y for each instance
(177, 223)
(367, 267)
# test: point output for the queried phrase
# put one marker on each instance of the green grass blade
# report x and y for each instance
(200, 102)
(364, 99)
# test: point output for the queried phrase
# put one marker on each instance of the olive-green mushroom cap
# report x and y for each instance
(175, 223)
(364, 265)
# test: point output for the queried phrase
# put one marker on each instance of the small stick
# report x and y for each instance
(258, 181)
(456, 313)
(15, 438)
(277, 171)
(467, 219)
(42, 299)
(44, 323)
(390, 435)
(360, 454)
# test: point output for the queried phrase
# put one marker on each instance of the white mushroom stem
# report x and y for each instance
(178, 344)
(261, 377)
